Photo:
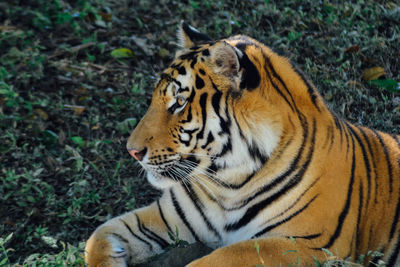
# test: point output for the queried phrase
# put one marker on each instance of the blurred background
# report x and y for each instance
(76, 77)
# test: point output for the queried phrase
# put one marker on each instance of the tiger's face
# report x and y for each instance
(192, 129)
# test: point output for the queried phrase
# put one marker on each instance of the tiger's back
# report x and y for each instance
(245, 148)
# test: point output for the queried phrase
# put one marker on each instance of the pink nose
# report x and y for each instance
(138, 155)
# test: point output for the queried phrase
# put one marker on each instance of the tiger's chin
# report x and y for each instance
(159, 181)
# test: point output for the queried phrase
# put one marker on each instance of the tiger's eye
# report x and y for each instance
(181, 100)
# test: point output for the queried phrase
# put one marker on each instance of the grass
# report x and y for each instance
(70, 96)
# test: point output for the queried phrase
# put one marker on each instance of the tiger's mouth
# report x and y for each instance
(177, 169)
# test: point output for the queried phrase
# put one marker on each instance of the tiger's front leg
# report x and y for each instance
(132, 237)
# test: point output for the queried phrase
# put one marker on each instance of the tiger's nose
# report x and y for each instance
(138, 155)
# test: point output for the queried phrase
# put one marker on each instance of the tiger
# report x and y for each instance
(252, 162)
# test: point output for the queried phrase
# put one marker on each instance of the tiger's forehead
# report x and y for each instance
(189, 59)
(179, 73)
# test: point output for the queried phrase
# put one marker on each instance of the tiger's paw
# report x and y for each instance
(102, 251)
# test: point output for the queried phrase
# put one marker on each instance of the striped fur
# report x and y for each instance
(245, 150)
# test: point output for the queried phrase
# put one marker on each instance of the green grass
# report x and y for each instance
(69, 98)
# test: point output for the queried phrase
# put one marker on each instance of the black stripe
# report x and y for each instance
(395, 219)
(199, 82)
(389, 165)
(397, 213)
(370, 234)
(339, 127)
(180, 90)
(255, 153)
(269, 228)
(346, 207)
(150, 234)
(365, 158)
(308, 237)
(182, 70)
(191, 97)
(169, 79)
(162, 216)
(194, 61)
(135, 235)
(215, 101)
(210, 139)
(395, 253)
(254, 210)
(329, 137)
(203, 105)
(275, 74)
(332, 138)
(346, 134)
(282, 148)
(296, 201)
(251, 77)
(196, 202)
(189, 56)
(181, 214)
(310, 89)
(172, 108)
(275, 86)
(371, 152)
(189, 116)
(206, 53)
(225, 148)
(186, 143)
(360, 206)
(226, 124)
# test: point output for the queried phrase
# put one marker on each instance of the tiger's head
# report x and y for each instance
(208, 117)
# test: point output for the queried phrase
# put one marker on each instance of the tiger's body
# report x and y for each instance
(245, 150)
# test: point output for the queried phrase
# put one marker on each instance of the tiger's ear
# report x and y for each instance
(189, 36)
(225, 58)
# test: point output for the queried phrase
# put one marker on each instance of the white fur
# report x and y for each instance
(185, 137)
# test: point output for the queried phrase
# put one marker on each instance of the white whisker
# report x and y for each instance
(198, 173)
(180, 175)
(198, 181)
(205, 172)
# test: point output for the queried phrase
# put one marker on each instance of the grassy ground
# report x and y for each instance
(69, 97)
